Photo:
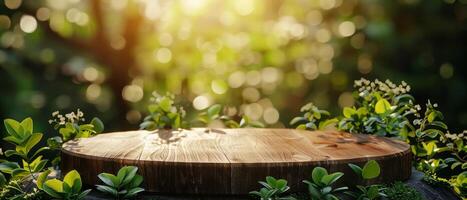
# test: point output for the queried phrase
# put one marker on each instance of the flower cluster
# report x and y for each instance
(366, 87)
(71, 117)
(456, 136)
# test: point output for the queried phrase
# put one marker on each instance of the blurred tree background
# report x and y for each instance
(261, 58)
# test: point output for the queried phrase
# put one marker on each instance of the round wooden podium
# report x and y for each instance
(232, 161)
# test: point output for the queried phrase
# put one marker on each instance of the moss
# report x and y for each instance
(401, 191)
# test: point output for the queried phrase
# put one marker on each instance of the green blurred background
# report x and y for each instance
(262, 58)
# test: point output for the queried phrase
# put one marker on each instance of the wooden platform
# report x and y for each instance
(231, 161)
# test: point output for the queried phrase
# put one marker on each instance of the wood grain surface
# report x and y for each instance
(232, 161)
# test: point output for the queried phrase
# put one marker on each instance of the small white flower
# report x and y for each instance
(55, 113)
(51, 121)
(80, 113)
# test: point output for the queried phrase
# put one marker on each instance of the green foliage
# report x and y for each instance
(401, 191)
(214, 113)
(123, 186)
(320, 184)
(3, 180)
(382, 108)
(460, 184)
(387, 109)
(71, 125)
(55, 143)
(369, 171)
(438, 153)
(163, 113)
(68, 189)
(21, 135)
(246, 122)
(13, 190)
(313, 118)
(273, 189)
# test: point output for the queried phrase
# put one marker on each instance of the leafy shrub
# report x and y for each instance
(438, 153)
(401, 191)
(124, 185)
(382, 108)
(69, 188)
(273, 189)
(214, 113)
(21, 135)
(387, 109)
(313, 118)
(320, 185)
(163, 113)
(13, 190)
(70, 125)
(460, 184)
(369, 171)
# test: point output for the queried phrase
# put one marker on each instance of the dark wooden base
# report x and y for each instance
(232, 161)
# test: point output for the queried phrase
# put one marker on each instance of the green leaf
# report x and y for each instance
(348, 112)
(39, 151)
(77, 184)
(3, 180)
(9, 153)
(357, 169)
(132, 192)
(331, 178)
(42, 178)
(83, 194)
(432, 133)
(317, 174)
(12, 127)
(39, 166)
(313, 190)
(19, 172)
(73, 179)
(107, 189)
(13, 140)
(382, 106)
(66, 133)
(53, 187)
(301, 127)
(109, 179)
(32, 141)
(130, 172)
(431, 116)
(281, 183)
(371, 170)
(373, 192)
(296, 120)
(27, 125)
(324, 124)
(165, 104)
(439, 124)
(98, 125)
(271, 181)
(8, 167)
(430, 147)
(54, 142)
(214, 111)
(137, 180)
(54, 184)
